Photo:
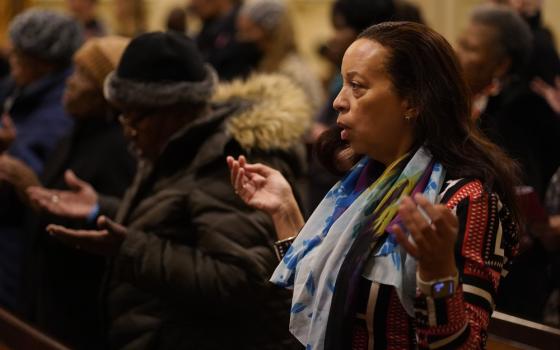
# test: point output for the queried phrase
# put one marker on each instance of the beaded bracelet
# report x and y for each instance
(281, 247)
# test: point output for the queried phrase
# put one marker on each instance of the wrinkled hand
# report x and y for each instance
(434, 242)
(550, 93)
(7, 133)
(259, 186)
(77, 203)
(105, 241)
(17, 174)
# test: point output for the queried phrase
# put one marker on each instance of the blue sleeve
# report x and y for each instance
(38, 137)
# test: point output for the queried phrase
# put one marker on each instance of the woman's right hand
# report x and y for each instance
(264, 188)
(259, 186)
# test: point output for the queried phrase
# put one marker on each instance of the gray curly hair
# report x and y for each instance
(267, 14)
(46, 35)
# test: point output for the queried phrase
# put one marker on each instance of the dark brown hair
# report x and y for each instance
(424, 70)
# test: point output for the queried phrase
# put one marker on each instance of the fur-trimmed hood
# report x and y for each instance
(276, 112)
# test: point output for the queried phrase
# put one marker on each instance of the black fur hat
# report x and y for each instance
(160, 70)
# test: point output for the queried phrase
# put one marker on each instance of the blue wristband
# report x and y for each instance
(93, 214)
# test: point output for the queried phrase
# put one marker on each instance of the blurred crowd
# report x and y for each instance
(122, 136)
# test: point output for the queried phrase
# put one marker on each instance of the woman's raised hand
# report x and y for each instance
(434, 229)
(264, 188)
(260, 186)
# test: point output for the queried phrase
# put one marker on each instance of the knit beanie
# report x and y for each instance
(46, 35)
(267, 14)
(100, 56)
(160, 70)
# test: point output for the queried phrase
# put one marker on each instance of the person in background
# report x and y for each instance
(84, 11)
(177, 20)
(494, 50)
(8, 10)
(544, 66)
(267, 24)
(408, 249)
(550, 92)
(33, 118)
(349, 18)
(62, 285)
(544, 63)
(129, 17)
(550, 233)
(188, 260)
(407, 11)
(217, 39)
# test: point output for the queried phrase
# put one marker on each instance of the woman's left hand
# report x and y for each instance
(434, 236)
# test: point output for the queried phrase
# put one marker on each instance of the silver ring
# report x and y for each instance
(55, 199)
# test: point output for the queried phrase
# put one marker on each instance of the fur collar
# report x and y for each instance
(276, 113)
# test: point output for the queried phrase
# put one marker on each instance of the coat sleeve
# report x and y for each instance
(108, 205)
(34, 144)
(487, 240)
(225, 259)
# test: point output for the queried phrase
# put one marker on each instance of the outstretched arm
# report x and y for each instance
(77, 203)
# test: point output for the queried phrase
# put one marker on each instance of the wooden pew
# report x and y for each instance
(18, 335)
(508, 332)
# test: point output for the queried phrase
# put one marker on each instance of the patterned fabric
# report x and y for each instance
(358, 210)
(487, 238)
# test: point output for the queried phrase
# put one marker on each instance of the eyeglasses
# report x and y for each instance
(132, 119)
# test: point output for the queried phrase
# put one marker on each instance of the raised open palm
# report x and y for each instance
(76, 203)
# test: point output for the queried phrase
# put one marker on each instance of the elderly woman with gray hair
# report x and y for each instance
(33, 118)
(494, 50)
(267, 24)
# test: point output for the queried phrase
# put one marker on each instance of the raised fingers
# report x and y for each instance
(233, 169)
(419, 226)
(259, 169)
(441, 217)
